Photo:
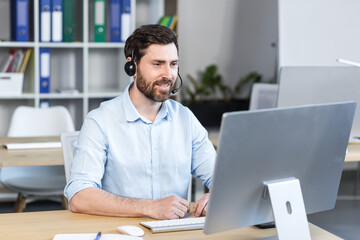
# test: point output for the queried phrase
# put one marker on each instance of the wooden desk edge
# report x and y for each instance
(44, 226)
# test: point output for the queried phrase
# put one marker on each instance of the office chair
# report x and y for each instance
(263, 95)
(67, 140)
(37, 182)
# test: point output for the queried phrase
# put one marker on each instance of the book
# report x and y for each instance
(164, 21)
(56, 21)
(12, 56)
(173, 22)
(26, 60)
(45, 20)
(115, 20)
(20, 20)
(99, 20)
(3, 62)
(20, 58)
(125, 18)
(168, 21)
(44, 70)
(68, 20)
(6, 64)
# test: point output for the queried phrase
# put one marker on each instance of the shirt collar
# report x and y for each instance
(132, 115)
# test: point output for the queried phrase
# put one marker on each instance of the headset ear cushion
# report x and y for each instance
(130, 68)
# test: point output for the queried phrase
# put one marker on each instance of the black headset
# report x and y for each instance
(130, 67)
(130, 70)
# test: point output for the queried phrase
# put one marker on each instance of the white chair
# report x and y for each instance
(37, 182)
(67, 140)
(263, 95)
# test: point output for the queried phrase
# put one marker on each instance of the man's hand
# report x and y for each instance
(200, 207)
(172, 207)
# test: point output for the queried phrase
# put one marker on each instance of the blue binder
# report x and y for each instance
(125, 27)
(20, 20)
(57, 21)
(115, 20)
(45, 20)
(44, 70)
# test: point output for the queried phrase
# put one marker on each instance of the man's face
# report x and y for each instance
(157, 71)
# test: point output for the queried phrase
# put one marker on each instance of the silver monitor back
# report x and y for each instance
(315, 85)
(307, 143)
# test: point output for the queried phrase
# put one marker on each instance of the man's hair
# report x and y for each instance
(146, 35)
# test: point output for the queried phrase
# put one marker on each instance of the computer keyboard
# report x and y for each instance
(175, 224)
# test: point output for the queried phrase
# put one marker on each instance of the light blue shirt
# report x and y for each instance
(123, 153)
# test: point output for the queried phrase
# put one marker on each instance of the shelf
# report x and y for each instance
(17, 44)
(61, 45)
(22, 96)
(106, 45)
(61, 96)
(95, 69)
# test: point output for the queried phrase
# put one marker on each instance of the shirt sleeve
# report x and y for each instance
(203, 153)
(88, 164)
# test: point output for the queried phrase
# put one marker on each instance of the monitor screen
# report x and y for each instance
(307, 143)
(321, 84)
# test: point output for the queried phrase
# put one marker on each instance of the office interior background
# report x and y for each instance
(238, 36)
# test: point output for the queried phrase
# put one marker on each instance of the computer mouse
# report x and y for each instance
(131, 230)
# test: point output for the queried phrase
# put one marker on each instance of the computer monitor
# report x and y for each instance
(279, 145)
(320, 84)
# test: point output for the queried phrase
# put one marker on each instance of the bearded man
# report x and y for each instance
(136, 153)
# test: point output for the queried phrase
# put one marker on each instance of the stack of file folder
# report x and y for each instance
(120, 20)
(56, 20)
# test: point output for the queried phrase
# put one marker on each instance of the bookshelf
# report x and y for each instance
(94, 69)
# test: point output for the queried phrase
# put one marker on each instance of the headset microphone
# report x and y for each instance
(181, 83)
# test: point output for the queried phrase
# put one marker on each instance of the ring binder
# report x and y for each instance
(20, 20)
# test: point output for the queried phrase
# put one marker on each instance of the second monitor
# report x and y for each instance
(304, 85)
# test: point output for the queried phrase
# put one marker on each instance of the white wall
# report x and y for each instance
(234, 34)
(149, 11)
(317, 32)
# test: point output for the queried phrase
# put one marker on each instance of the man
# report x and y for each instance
(136, 153)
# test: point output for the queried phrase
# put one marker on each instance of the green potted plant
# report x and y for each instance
(209, 97)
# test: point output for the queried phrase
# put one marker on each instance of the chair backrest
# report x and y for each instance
(263, 95)
(67, 140)
(31, 122)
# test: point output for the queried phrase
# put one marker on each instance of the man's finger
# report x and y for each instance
(185, 203)
(203, 212)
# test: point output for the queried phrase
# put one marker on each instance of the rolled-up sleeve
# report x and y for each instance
(87, 167)
(203, 153)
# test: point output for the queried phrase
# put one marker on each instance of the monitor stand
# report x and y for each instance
(288, 209)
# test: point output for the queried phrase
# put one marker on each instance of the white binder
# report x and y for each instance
(45, 21)
(57, 21)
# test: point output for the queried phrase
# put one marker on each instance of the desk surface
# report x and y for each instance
(33, 157)
(43, 157)
(44, 225)
(353, 154)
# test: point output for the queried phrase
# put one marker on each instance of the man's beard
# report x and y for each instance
(149, 89)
